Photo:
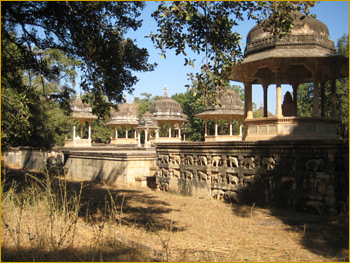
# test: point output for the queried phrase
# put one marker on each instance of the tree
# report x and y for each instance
(209, 28)
(92, 32)
(145, 104)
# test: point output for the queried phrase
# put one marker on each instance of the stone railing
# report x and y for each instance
(310, 128)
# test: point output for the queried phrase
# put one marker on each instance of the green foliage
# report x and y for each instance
(211, 28)
(189, 103)
(91, 32)
(31, 116)
(145, 103)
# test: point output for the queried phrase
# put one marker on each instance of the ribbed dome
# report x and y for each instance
(167, 108)
(81, 110)
(126, 114)
(307, 32)
(230, 101)
(230, 104)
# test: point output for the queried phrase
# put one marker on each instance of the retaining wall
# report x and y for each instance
(300, 175)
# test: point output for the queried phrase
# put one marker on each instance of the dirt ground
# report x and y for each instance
(168, 227)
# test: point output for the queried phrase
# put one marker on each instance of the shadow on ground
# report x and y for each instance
(326, 235)
(101, 203)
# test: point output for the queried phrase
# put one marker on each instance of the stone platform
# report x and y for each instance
(110, 165)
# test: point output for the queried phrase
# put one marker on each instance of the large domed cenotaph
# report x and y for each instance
(305, 55)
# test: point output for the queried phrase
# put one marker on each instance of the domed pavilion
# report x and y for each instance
(83, 113)
(229, 108)
(170, 118)
(304, 55)
(125, 119)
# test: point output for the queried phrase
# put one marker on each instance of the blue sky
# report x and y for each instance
(172, 72)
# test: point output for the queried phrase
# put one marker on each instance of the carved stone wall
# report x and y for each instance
(301, 175)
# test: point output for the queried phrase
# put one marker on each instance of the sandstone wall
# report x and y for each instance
(301, 175)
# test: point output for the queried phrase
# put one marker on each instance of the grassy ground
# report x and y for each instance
(51, 219)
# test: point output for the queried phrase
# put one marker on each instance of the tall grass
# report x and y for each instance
(42, 219)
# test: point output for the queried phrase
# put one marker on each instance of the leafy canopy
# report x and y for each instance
(92, 32)
(211, 28)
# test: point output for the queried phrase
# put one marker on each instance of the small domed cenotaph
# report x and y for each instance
(83, 113)
(229, 108)
(170, 117)
(305, 55)
(126, 119)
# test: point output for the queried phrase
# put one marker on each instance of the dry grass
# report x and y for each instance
(46, 219)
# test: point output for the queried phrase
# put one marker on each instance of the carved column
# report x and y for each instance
(74, 132)
(333, 99)
(169, 131)
(205, 127)
(116, 132)
(139, 137)
(278, 101)
(146, 137)
(89, 133)
(126, 133)
(248, 105)
(179, 130)
(295, 98)
(315, 99)
(323, 99)
(216, 127)
(230, 123)
(265, 87)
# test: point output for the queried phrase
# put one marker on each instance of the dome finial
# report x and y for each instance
(165, 91)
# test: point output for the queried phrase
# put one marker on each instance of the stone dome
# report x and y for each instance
(167, 109)
(306, 33)
(230, 104)
(81, 110)
(147, 121)
(126, 114)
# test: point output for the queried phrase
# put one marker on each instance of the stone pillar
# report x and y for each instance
(135, 135)
(295, 98)
(240, 128)
(89, 134)
(126, 133)
(74, 132)
(179, 132)
(157, 134)
(139, 137)
(333, 99)
(315, 108)
(169, 131)
(248, 100)
(323, 99)
(146, 138)
(265, 87)
(278, 101)
(205, 127)
(116, 132)
(230, 123)
(216, 127)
